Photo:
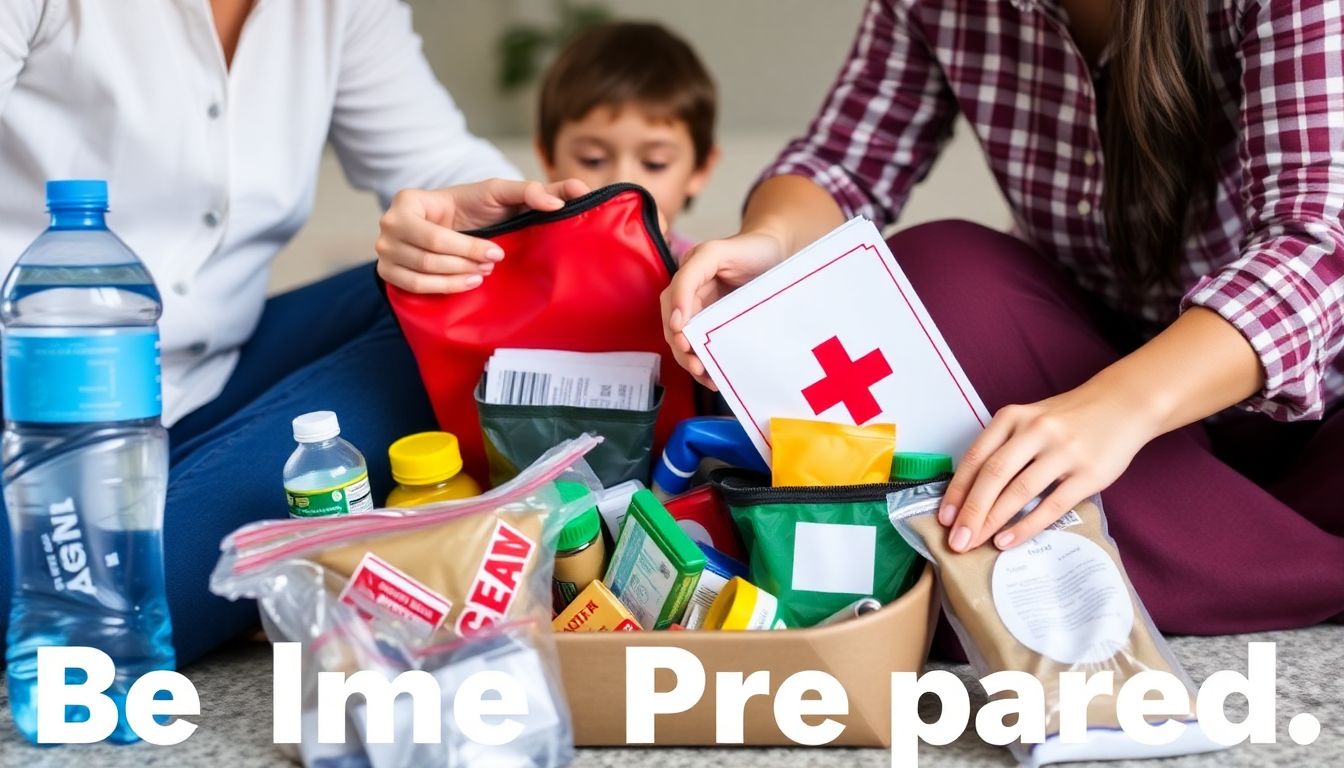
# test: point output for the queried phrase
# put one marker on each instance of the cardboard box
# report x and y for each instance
(861, 653)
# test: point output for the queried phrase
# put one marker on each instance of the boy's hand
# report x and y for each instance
(421, 247)
(710, 271)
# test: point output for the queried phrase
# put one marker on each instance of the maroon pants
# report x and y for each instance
(1225, 529)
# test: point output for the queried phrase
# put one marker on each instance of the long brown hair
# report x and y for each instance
(1160, 163)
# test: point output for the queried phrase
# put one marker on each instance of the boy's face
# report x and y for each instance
(609, 145)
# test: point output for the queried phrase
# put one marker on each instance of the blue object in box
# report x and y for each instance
(703, 437)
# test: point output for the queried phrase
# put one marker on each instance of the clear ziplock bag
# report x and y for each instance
(1061, 602)
(450, 589)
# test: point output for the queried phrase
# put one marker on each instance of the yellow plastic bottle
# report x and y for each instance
(428, 468)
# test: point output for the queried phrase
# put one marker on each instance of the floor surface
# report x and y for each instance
(235, 725)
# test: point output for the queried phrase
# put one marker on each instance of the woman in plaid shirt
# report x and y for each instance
(1176, 171)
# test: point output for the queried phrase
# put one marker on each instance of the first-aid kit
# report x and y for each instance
(1061, 602)
(584, 278)
(451, 589)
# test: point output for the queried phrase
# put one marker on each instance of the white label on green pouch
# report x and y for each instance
(1063, 597)
(834, 558)
(641, 576)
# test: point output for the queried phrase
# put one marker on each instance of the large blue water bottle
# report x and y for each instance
(85, 455)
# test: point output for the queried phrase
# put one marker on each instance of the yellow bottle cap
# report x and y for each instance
(425, 458)
(733, 607)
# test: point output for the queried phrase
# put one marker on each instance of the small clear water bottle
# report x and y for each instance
(325, 475)
(85, 455)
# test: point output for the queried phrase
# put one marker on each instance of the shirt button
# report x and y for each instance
(197, 349)
(1089, 158)
(1084, 207)
(211, 218)
(214, 111)
(181, 288)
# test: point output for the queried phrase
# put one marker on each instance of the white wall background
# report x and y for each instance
(773, 61)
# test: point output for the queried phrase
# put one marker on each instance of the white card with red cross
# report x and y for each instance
(836, 333)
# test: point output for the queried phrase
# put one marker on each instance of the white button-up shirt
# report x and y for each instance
(211, 170)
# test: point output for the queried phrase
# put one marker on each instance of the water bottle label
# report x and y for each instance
(350, 498)
(59, 378)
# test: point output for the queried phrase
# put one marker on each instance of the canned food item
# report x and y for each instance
(580, 552)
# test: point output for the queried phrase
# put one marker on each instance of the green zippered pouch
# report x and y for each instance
(819, 548)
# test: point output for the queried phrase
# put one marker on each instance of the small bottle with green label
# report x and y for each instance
(325, 475)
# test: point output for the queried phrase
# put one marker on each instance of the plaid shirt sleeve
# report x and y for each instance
(881, 126)
(1286, 291)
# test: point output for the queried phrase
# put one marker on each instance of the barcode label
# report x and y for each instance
(1069, 520)
(623, 380)
(525, 388)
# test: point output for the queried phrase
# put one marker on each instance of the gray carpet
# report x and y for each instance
(235, 730)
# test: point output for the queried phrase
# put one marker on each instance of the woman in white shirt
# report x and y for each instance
(208, 118)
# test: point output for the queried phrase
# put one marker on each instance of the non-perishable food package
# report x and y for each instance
(595, 610)
(655, 566)
(1061, 602)
(821, 453)
(450, 589)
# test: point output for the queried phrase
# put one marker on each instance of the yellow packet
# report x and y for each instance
(825, 453)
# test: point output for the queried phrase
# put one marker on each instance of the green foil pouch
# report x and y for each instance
(819, 548)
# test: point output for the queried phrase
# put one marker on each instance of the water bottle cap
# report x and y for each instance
(316, 427)
(77, 193)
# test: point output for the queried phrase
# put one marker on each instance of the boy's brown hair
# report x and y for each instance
(629, 63)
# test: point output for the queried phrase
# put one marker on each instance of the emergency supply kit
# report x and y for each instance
(777, 545)
(587, 279)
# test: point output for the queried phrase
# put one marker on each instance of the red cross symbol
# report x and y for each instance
(847, 381)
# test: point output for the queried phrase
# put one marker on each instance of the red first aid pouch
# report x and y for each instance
(585, 278)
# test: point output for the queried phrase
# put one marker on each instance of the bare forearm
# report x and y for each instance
(1081, 440)
(1198, 366)
(792, 209)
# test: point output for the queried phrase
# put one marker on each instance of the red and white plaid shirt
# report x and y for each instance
(1269, 257)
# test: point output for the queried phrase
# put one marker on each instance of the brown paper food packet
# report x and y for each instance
(478, 564)
(1061, 602)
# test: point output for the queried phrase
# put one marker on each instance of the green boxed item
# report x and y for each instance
(819, 548)
(517, 435)
(655, 566)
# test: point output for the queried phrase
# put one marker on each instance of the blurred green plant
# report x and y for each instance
(523, 47)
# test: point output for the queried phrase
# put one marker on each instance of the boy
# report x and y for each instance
(630, 101)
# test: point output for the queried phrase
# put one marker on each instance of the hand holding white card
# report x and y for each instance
(837, 333)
